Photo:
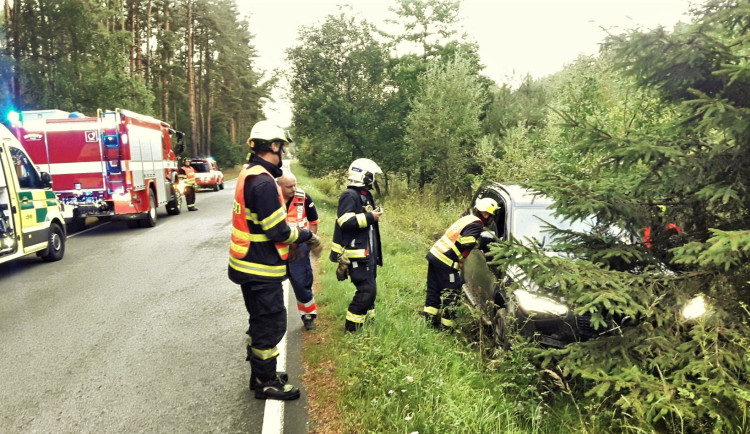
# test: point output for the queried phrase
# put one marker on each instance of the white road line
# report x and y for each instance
(273, 415)
(86, 230)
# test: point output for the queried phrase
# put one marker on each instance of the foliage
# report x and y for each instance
(340, 90)
(679, 139)
(443, 126)
(82, 55)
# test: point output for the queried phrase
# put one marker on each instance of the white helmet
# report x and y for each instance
(486, 204)
(267, 131)
(362, 172)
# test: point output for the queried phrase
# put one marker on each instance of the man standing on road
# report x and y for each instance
(445, 262)
(186, 175)
(356, 241)
(301, 214)
(259, 250)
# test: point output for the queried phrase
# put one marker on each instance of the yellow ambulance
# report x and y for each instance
(30, 214)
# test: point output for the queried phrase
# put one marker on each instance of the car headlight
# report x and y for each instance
(533, 303)
(695, 308)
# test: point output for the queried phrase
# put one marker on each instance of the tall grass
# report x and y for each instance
(397, 375)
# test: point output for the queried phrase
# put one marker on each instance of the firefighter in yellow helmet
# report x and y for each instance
(259, 249)
(445, 262)
(356, 241)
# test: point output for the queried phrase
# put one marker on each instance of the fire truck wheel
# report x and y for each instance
(150, 220)
(56, 248)
(174, 206)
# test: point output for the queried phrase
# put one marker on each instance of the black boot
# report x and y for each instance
(308, 321)
(275, 389)
(282, 376)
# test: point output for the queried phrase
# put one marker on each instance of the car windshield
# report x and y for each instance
(201, 167)
(533, 223)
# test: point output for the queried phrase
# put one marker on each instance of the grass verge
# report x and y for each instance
(397, 374)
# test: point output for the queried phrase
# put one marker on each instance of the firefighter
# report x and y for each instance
(302, 214)
(445, 262)
(258, 250)
(356, 241)
(186, 174)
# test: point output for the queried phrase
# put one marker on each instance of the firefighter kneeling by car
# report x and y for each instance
(445, 262)
(186, 175)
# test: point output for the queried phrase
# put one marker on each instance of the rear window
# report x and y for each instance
(201, 167)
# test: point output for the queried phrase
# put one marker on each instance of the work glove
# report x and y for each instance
(314, 244)
(485, 238)
(342, 271)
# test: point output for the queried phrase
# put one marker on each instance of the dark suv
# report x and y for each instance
(525, 216)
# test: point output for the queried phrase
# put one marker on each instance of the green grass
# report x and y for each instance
(396, 374)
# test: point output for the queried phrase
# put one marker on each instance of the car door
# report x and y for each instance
(480, 280)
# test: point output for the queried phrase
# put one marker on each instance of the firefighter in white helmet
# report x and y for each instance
(258, 251)
(356, 240)
(445, 262)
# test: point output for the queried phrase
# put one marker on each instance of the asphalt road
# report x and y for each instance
(135, 330)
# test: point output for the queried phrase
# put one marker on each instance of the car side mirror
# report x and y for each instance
(46, 180)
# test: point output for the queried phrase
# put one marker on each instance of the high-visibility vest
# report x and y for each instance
(447, 243)
(189, 175)
(648, 241)
(243, 234)
(296, 214)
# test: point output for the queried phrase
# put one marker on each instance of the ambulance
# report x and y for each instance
(31, 219)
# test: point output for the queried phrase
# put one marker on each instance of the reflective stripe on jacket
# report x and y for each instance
(445, 249)
(249, 252)
(356, 231)
(296, 215)
(187, 173)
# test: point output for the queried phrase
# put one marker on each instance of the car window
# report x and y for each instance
(534, 223)
(28, 177)
(201, 167)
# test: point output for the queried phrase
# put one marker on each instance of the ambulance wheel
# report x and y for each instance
(150, 220)
(56, 247)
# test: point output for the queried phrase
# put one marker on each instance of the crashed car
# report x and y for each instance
(207, 174)
(524, 215)
(507, 300)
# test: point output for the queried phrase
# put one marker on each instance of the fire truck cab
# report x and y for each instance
(116, 165)
(31, 220)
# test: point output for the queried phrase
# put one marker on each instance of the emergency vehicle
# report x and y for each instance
(117, 164)
(207, 173)
(31, 220)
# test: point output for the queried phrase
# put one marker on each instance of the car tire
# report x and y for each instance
(216, 186)
(56, 247)
(500, 329)
(221, 186)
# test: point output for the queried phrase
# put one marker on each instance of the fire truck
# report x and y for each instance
(116, 165)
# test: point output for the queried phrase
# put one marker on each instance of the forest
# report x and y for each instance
(654, 129)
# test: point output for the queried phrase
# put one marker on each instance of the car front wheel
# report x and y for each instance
(500, 328)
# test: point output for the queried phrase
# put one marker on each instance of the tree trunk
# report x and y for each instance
(165, 61)
(147, 60)
(191, 79)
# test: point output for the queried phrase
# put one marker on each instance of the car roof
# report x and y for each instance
(520, 196)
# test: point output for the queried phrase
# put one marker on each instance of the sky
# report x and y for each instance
(515, 37)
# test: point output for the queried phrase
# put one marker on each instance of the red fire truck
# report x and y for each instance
(118, 164)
